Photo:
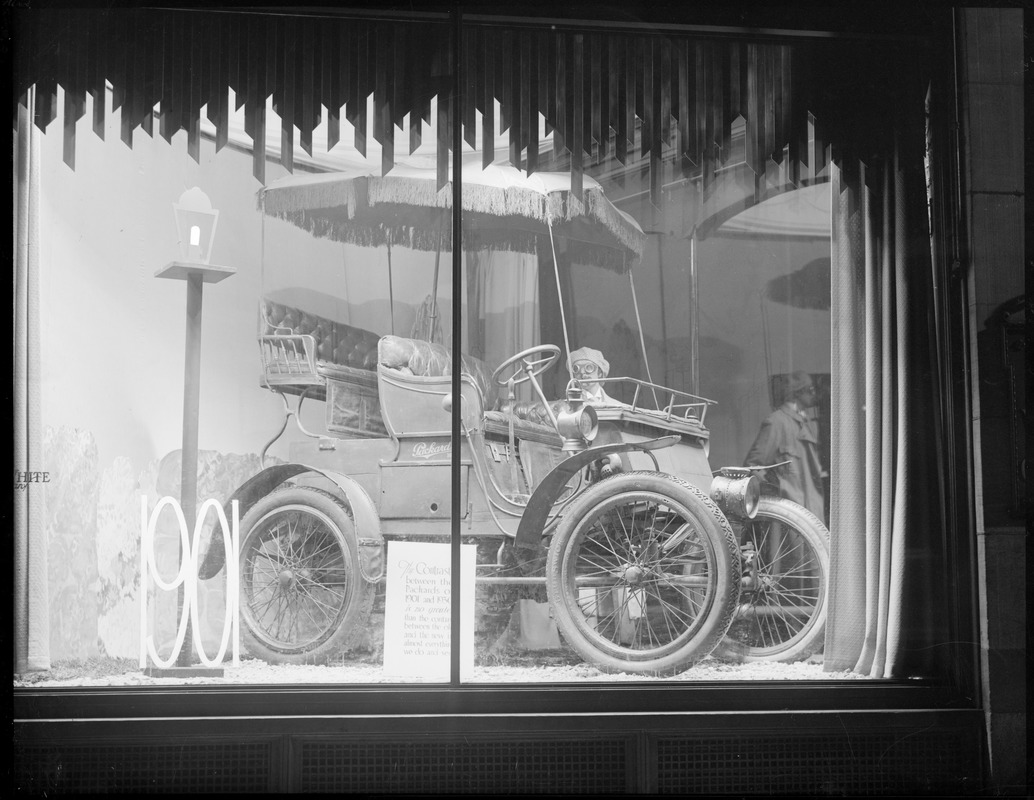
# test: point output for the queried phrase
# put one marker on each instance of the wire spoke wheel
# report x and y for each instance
(302, 597)
(782, 613)
(643, 574)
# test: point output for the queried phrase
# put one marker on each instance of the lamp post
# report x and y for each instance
(195, 223)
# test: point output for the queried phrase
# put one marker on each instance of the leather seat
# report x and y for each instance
(429, 359)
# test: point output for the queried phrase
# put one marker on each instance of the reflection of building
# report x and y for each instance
(254, 741)
(775, 315)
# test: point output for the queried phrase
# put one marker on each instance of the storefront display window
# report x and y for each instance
(608, 421)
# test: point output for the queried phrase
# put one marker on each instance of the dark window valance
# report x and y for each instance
(601, 93)
(180, 62)
(636, 95)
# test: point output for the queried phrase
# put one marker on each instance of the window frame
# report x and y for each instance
(957, 690)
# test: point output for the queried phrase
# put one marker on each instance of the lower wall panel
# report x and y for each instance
(469, 764)
(108, 766)
(940, 763)
(823, 754)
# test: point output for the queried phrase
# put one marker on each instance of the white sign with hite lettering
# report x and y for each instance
(417, 611)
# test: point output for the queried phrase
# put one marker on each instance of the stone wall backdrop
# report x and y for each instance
(218, 476)
(71, 506)
(93, 530)
(118, 557)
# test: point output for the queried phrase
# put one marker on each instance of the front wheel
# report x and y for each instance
(303, 599)
(643, 574)
(782, 613)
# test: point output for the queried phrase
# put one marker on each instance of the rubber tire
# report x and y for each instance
(810, 639)
(349, 621)
(721, 549)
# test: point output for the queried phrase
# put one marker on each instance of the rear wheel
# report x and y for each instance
(643, 574)
(782, 613)
(302, 597)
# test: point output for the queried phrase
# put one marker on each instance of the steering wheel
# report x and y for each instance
(545, 356)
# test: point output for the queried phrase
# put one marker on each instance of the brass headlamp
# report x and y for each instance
(578, 423)
(737, 491)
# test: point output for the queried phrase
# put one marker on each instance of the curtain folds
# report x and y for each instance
(31, 620)
(509, 294)
(884, 469)
(502, 315)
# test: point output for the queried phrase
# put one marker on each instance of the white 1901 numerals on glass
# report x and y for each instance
(187, 577)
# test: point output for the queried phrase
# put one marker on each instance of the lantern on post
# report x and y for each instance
(195, 223)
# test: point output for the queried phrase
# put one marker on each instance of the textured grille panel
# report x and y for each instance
(934, 762)
(440, 767)
(86, 769)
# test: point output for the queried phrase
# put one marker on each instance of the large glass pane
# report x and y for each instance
(648, 314)
(642, 331)
(282, 324)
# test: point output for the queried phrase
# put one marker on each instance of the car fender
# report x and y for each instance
(529, 531)
(369, 541)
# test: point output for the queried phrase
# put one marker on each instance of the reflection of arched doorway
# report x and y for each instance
(762, 276)
(806, 289)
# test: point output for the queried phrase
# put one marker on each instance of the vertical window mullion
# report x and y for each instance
(457, 252)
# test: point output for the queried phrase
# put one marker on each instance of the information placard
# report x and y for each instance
(417, 611)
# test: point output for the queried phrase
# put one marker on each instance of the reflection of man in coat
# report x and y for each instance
(788, 434)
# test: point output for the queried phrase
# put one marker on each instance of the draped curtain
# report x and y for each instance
(509, 303)
(502, 314)
(31, 620)
(885, 476)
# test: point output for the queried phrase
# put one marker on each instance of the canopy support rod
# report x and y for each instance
(642, 340)
(391, 291)
(433, 312)
(560, 294)
(262, 255)
(695, 323)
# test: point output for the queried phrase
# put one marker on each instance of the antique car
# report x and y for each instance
(650, 559)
